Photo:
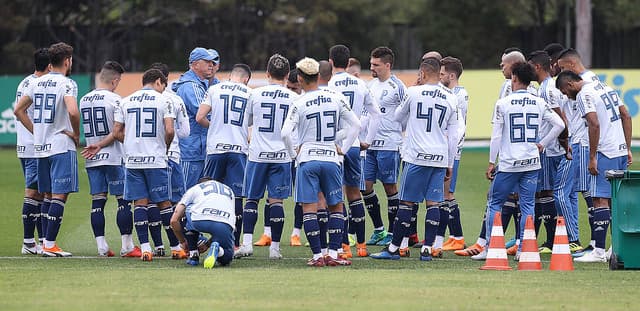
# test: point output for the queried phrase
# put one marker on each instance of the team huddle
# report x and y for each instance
(195, 156)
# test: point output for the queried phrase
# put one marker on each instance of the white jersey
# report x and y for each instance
(229, 127)
(389, 95)
(268, 108)
(604, 101)
(24, 144)
(361, 102)
(589, 76)
(97, 110)
(316, 115)
(180, 124)
(430, 112)
(505, 90)
(143, 114)
(575, 117)
(554, 99)
(212, 201)
(518, 118)
(50, 115)
(463, 105)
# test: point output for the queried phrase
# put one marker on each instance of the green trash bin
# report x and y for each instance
(625, 219)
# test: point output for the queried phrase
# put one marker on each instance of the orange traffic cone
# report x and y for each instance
(561, 256)
(529, 256)
(496, 254)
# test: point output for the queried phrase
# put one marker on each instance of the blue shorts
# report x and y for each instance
(382, 165)
(58, 173)
(600, 186)
(543, 174)
(220, 232)
(454, 176)
(227, 168)
(106, 178)
(318, 176)
(276, 177)
(352, 168)
(177, 181)
(30, 172)
(192, 172)
(149, 183)
(580, 167)
(421, 183)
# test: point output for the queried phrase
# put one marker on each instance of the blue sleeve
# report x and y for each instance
(192, 95)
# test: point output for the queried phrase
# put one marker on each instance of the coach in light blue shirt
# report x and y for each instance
(192, 87)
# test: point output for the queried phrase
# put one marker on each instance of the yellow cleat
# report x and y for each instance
(265, 240)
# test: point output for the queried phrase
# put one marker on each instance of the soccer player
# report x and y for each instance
(450, 72)
(144, 123)
(316, 116)
(516, 141)
(209, 208)
(32, 203)
(192, 87)
(554, 50)
(609, 129)
(103, 156)
(360, 101)
(269, 164)
(292, 82)
(383, 155)
(429, 112)
(294, 86)
(56, 131)
(227, 136)
(354, 67)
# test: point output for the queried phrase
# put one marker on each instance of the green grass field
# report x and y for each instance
(255, 283)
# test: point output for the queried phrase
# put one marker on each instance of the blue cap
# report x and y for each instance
(216, 56)
(202, 53)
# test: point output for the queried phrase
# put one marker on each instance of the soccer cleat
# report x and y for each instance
(243, 251)
(352, 240)
(510, 243)
(386, 241)
(481, 256)
(472, 250)
(159, 252)
(135, 252)
(54, 251)
(593, 256)
(575, 246)
(377, 236)
(545, 249)
(295, 240)
(181, 254)
(361, 250)
(147, 256)
(108, 253)
(193, 261)
(404, 252)
(413, 239)
(212, 256)
(419, 244)
(331, 262)
(264, 240)
(427, 254)
(386, 254)
(316, 262)
(203, 244)
(511, 251)
(454, 245)
(346, 252)
(447, 242)
(583, 252)
(274, 253)
(435, 253)
(30, 249)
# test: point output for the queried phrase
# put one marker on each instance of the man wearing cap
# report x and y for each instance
(216, 67)
(192, 87)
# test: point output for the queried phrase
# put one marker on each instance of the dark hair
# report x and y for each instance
(524, 72)
(569, 53)
(152, 75)
(110, 71)
(339, 54)
(512, 49)
(565, 77)
(242, 68)
(452, 64)
(554, 49)
(58, 52)
(541, 58)
(164, 68)
(324, 70)
(383, 53)
(353, 62)
(113, 66)
(308, 78)
(430, 65)
(278, 66)
(41, 59)
(293, 75)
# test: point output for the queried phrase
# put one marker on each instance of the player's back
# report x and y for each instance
(228, 130)
(506, 90)
(353, 89)
(24, 142)
(97, 110)
(605, 102)
(181, 118)
(210, 200)
(389, 95)
(268, 108)
(50, 115)
(554, 99)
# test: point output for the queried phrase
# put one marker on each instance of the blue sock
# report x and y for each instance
(297, 216)
(141, 222)
(601, 218)
(444, 218)
(236, 234)
(124, 218)
(589, 202)
(357, 220)
(30, 214)
(431, 223)
(312, 231)
(155, 225)
(345, 230)
(538, 217)
(322, 218)
(372, 205)
(549, 214)
(39, 221)
(455, 225)
(44, 216)
(413, 229)
(97, 214)
(335, 228)
(250, 216)
(56, 210)
(192, 239)
(276, 219)
(266, 216)
(350, 225)
(392, 203)
(402, 223)
(165, 215)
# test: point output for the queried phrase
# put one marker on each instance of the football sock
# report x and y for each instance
(431, 223)
(345, 230)
(30, 213)
(401, 226)
(97, 214)
(165, 215)
(372, 205)
(538, 217)
(250, 216)
(56, 210)
(393, 202)
(297, 217)
(357, 219)
(437, 243)
(455, 225)
(38, 222)
(265, 218)
(413, 228)
(335, 228)
(601, 217)
(589, 202)
(102, 245)
(322, 218)
(312, 231)
(443, 207)
(276, 218)
(141, 222)
(236, 234)
(516, 220)
(192, 241)
(549, 214)
(124, 218)
(44, 216)
(155, 225)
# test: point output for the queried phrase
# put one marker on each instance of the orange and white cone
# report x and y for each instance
(496, 254)
(561, 255)
(529, 256)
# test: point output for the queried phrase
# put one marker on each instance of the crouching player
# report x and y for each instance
(209, 208)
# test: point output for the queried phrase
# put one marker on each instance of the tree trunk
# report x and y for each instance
(584, 31)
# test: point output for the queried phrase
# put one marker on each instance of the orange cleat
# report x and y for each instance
(472, 250)
(147, 256)
(265, 240)
(404, 252)
(455, 245)
(361, 250)
(295, 240)
(511, 251)
(436, 252)
(54, 251)
(181, 254)
(346, 252)
(135, 252)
